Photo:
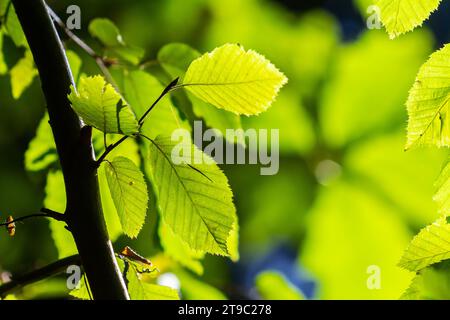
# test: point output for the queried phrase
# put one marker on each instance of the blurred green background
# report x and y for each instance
(346, 197)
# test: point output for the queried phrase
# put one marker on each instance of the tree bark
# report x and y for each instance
(73, 142)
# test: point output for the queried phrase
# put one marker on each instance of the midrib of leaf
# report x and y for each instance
(397, 14)
(189, 195)
(227, 83)
(432, 120)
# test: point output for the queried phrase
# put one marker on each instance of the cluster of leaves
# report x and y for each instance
(428, 125)
(194, 201)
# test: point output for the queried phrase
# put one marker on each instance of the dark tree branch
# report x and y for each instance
(39, 274)
(84, 214)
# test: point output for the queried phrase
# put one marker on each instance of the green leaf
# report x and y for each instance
(430, 246)
(56, 200)
(74, 63)
(109, 35)
(216, 118)
(195, 289)
(22, 75)
(14, 29)
(175, 58)
(401, 16)
(140, 290)
(101, 107)
(3, 66)
(428, 103)
(347, 215)
(195, 197)
(394, 64)
(429, 284)
(129, 193)
(41, 151)
(141, 89)
(271, 285)
(178, 250)
(230, 78)
(82, 292)
(106, 32)
(442, 196)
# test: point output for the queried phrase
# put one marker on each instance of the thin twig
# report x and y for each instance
(84, 46)
(110, 148)
(166, 90)
(39, 274)
(46, 213)
(141, 121)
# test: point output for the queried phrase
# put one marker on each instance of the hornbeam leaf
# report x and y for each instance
(106, 32)
(22, 75)
(101, 107)
(14, 29)
(140, 290)
(442, 196)
(83, 290)
(401, 16)
(41, 151)
(271, 285)
(175, 58)
(431, 283)
(178, 250)
(109, 35)
(129, 193)
(194, 198)
(430, 246)
(231, 78)
(428, 103)
(3, 66)
(141, 89)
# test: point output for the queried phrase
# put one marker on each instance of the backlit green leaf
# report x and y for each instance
(22, 74)
(82, 292)
(430, 246)
(56, 200)
(231, 78)
(129, 193)
(193, 288)
(429, 284)
(178, 250)
(175, 59)
(74, 63)
(3, 66)
(195, 197)
(109, 35)
(14, 29)
(140, 290)
(271, 285)
(101, 107)
(41, 151)
(428, 103)
(141, 89)
(105, 31)
(401, 16)
(442, 196)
